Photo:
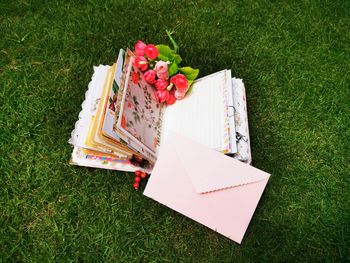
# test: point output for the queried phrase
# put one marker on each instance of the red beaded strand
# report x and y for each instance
(138, 175)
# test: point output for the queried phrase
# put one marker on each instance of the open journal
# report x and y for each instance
(122, 124)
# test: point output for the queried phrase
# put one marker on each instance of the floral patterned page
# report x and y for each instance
(128, 56)
(109, 117)
(140, 112)
(124, 138)
(241, 118)
(82, 157)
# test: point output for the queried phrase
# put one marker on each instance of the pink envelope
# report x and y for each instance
(207, 186)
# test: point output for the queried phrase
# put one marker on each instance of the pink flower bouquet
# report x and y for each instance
(161, 68)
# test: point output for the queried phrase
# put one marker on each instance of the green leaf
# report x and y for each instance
(162, 57)
(165, 50)
(190, 82)
(173, 69)
(177, 58)
(190, 73)
(167, 54)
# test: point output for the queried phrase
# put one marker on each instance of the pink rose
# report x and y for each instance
(140, 48)
(151, 51)
(180, 82)
(171, 100)
(162, 95)
(164, 75)
(180, 94)
(161, 84)
(161, 67)
(150, 76)
(141, 63)
(162, 70)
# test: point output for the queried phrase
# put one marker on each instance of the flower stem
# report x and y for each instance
(176, 47)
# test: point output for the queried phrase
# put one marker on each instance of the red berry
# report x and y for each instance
(143, 175)
(136, 185)
(137, 179)
(138, 173)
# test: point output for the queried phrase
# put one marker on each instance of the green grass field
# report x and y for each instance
(294, 57)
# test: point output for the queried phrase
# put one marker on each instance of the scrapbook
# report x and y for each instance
(146, 113)
(127, 113)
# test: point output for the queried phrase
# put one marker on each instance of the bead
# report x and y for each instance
(137, 179)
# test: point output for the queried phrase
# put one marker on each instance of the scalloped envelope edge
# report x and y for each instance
(206, 186)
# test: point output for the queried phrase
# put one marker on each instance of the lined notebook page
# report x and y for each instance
(201, 115)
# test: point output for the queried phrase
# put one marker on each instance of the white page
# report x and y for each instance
(200, 116)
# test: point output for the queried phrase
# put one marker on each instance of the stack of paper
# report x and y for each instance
(122, 125)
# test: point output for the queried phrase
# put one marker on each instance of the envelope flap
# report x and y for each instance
(210, 170)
